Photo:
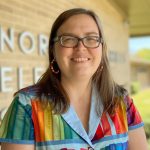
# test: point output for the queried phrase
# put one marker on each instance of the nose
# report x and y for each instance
(80, 46)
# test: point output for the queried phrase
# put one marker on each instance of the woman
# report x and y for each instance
(76, 105)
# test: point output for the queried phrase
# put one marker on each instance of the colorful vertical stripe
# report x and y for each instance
(28, 122)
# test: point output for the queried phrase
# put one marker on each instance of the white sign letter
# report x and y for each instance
(22, 45)
(4, 79)
(43, 44)
(20, 78)
(6, 39)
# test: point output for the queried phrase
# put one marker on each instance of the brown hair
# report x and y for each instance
(107, 89)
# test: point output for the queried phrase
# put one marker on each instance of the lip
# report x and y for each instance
(80, 59)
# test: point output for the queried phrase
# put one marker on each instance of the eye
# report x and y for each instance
(91, 39)
(68, 39)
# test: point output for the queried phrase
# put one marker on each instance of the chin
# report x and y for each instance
(83, 74)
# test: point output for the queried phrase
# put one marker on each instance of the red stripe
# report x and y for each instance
(99, 133)
(105, 125)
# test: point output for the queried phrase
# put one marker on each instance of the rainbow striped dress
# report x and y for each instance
(26, 122)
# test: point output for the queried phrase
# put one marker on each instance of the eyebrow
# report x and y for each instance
(87, 33)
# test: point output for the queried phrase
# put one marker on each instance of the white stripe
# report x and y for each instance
(113, 129)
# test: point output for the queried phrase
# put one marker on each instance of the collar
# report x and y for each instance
(74, 122)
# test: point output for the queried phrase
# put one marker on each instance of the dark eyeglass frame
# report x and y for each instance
(58, 39)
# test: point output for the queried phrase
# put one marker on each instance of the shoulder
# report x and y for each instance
(124, 96)
(133, 115)
(31, 90)
(128, 102)
(27, 94)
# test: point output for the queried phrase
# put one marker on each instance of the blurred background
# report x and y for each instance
(24, 33)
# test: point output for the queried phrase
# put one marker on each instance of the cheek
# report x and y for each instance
(62, 55)
(58, 53)
(97, 53)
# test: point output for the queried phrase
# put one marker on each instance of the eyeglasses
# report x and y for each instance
(70, 41)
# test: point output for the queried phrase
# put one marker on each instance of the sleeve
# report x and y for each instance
(17, 125)
(133, 116)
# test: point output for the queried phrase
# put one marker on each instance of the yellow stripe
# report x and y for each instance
(56, 127)
(48, 123)
(61, 125)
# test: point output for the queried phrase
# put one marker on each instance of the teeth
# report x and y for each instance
(80, 59)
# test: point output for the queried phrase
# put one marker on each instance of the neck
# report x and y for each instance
(77, 89)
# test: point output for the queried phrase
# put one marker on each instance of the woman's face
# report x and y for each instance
(78, 62)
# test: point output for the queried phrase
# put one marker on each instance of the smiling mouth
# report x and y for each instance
(79, 60)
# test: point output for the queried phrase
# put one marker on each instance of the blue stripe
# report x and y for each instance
(136, 126)
(58, 142)
(16, 141)
(111, 137)
(119, 146)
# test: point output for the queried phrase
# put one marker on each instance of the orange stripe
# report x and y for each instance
(40, 115)
(120, 119)
(38, 118)
(35, 120)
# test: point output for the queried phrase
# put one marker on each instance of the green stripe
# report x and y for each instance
(12, 118)
(26, 128)
(75, 135)
(5, 122)
(67, 131)
(17, 123)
